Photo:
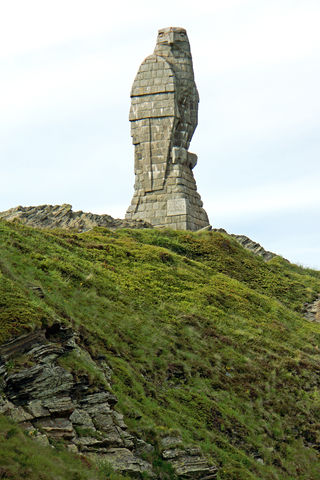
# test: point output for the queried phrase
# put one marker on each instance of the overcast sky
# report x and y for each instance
(66, 69)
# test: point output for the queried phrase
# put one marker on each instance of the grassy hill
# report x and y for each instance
(203, 337)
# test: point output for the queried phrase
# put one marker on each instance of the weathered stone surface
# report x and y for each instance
(249, 244)
(62, 216)
(311, 310)
(42, 439)
(105, 398)
(104, 422)
(190, 463)
(19, 414)
(170, 442)
(141, 447)
(40, 381)
(5, 406)
(59, 405)
(21, 344)
(46, 353)
(163, 116)
(172, 453)
(36, 409)
(123, 460)
(56, 427)
(128, 440)
(87, 443)
(81, 417)
(254, 247)
(48, 402)
(186, 462)
(118, 420)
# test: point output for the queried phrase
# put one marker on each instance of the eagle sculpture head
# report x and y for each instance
(172, 41)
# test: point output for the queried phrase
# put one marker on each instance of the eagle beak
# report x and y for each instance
(170, 38)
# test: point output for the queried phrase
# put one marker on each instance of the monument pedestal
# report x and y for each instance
(177, 205)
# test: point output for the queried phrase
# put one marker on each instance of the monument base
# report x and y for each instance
(177, 205)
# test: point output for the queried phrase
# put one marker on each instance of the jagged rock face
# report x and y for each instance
(51, 404)
(186, 462)
(254, 247)
(249, 244)
(312, 310)
(62, 216)
(163, 116)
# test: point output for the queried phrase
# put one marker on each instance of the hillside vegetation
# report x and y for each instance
(203, 338)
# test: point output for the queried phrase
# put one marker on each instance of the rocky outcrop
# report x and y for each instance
(254, 247)
(249, 244)
(62, 216)
(52, 404)
(187, 463)
(311, 311)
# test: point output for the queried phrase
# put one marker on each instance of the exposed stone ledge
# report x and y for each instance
(51, 404)
(311, 310)
(249, 244)
(188, 463)
(62, 216)
(124, 461)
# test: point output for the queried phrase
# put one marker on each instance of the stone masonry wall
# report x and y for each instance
(163, 116)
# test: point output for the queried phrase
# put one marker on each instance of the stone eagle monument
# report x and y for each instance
(164, 116)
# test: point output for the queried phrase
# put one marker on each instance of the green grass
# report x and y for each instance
(203, 337)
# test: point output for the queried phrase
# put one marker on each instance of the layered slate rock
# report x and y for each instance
(311, 310)
(53, 404)
(188, 463)
(62, 216)
(163, 116)
(250, 245)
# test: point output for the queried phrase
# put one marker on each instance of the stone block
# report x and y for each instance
(19, 414)
(57, 427)
(81, 417)
(59, 405)
(36, 409)
(123, 460)
(176, 206)
(181, 226)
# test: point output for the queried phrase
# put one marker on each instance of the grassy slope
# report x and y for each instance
(202, 336)
(22, 458)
